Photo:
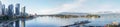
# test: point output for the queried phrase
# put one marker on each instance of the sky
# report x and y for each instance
(58, 6)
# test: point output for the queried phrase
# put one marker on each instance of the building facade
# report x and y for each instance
(0, 8)
(23, 11)
(3, 9)
(17, 9)
(10, 10)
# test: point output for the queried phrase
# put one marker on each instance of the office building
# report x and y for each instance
(3, 9)
(10, 10)
(0, 7)
(17, 9)
(23, 11)
(6, 11)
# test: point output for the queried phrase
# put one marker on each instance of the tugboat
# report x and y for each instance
(77, 23)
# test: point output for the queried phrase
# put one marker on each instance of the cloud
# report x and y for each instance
(80, 6)
(66, 7)
(105, 6)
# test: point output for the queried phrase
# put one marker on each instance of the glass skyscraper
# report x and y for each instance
(10, 10)
(6, 11)
(0, 7)
(17, 9)
(3, 9)
(23, 11)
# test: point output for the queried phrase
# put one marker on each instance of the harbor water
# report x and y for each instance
(57, 22)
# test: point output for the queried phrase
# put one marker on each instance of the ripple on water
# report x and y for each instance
(56, 22)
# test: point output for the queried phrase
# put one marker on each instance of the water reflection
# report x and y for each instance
(48, 21)
(57, 22)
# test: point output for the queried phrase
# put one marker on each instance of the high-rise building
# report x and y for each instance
(17, 9)
(3, 9)
(23, 11)
(0, 7)
(10, 10)
(6, 11)
(17, 13)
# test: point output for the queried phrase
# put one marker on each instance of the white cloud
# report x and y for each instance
(82, 0)
(78, 6)
(105, 6)
(64, 7)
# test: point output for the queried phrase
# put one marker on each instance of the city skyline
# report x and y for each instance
(57, 6)
(12, 10)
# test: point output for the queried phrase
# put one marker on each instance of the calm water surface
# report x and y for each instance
(57, 22)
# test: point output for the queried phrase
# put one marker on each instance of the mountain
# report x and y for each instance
(73, 13)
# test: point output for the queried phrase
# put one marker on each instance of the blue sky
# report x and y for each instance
(57, 6)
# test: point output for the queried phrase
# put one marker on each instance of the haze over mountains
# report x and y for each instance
(102, 14)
